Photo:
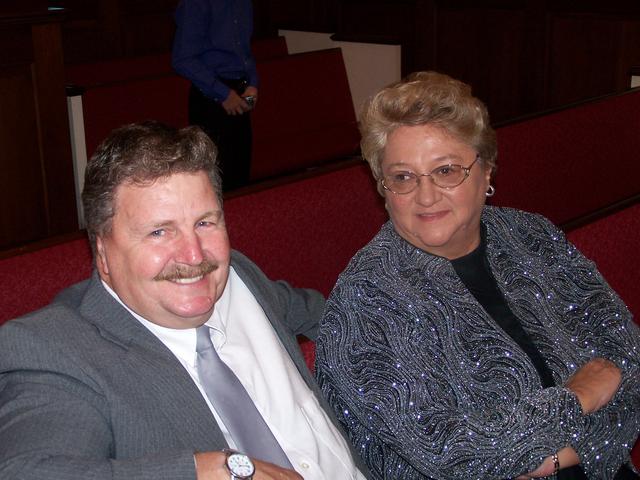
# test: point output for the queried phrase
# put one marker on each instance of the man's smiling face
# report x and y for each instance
(167, 252)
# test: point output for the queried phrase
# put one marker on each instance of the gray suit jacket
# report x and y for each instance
(87, 392)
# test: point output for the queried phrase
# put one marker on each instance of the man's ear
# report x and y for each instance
(101, 259)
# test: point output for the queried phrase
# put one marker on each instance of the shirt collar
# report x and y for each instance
(183, 341)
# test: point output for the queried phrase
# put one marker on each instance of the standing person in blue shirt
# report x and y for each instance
(212, 49)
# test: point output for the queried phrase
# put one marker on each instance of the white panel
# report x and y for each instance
(298, 42)
(369, 66)
(78, 149)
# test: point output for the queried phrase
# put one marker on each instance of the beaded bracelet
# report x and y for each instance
(556, 463)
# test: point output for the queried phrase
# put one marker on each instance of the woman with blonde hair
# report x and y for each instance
(467, 341)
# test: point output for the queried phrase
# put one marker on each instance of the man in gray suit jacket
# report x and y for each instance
(104, 383)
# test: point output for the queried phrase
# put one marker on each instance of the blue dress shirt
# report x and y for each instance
(213, 41)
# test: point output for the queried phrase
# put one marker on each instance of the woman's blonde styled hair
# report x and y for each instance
(426, 98)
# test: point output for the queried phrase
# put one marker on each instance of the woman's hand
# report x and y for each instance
(567, 457)
(595, 384)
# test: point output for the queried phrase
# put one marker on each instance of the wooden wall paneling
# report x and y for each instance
(290, 14)
(484, 47)
(410, 23)
(557, 51)
(22, 216)
(480, 44)
(583, 57)
(263, 25)
(22, 203)
(83, 41)
(53, 128)
(110, 15)
(304, 15)
(520, 56)
(308, 15)
(15, 43)
(147, 26)
(634, 76)
(597, 7)
(109, 29)
(327, 13)
(534, 58)
(37, 197)
(84, 32)
(425, 36)
(630, 52)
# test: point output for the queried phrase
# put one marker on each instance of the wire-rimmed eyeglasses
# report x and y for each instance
(445, 176)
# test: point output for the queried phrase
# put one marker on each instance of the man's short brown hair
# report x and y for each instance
(141, 153)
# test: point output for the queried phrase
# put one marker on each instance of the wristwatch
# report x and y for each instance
(239, 465)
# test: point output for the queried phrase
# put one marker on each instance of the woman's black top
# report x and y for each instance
(473, 270)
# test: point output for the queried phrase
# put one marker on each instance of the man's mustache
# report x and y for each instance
(179, 271)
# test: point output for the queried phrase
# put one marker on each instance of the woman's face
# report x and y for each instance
(444, 222)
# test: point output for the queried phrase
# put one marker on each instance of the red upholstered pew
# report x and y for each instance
(571, 162)
(304, 116)
(32, 278)
(128, 90)
(120, 70)
(108, 105)
(613, 243)
(266, 48)
(149, 66)
(306, 231)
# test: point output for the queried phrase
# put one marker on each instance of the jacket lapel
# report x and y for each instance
(149, 366)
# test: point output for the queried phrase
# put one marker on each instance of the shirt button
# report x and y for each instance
(304, 465)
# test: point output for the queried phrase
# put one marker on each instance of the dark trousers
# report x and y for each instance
(230, 133)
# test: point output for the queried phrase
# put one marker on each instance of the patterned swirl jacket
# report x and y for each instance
(429, 386)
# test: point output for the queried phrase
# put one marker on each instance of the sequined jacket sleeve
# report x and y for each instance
(429, 386)
(597, 320)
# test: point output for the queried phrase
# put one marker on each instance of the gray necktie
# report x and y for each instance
(232, 402)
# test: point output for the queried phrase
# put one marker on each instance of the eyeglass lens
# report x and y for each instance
(445, 176)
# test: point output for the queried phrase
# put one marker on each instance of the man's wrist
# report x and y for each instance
(239, 465)
(210, 466)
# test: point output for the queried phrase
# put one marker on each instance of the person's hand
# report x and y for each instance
(567, 457)
(235, 104)
(210, 466)
(595, 384)
(251, 92)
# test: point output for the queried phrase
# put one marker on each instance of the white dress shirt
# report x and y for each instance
(248, 344)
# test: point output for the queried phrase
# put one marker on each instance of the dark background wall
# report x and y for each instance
(520, 56)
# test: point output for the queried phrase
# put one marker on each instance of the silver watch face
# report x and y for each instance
(240, 465)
